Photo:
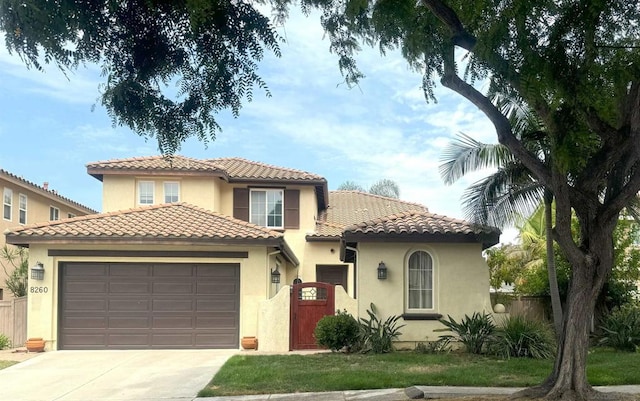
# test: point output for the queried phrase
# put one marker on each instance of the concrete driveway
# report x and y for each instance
(165, 375)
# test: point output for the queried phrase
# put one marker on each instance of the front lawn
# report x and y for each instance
(269, 374)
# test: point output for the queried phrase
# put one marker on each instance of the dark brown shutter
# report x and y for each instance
(291, 208)
(241, 203)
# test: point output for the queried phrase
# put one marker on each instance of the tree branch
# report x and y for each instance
(503, 128)
(450, 19)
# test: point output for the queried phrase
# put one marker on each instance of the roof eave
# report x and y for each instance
(322, 238)
(486, 239)
(25, 241)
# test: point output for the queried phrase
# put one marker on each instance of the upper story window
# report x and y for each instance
(54, 213)
(145, 192)
(267, 207)
(171, 192)
(7, 202)
(22, 206)
(70, 215)
(420, 281)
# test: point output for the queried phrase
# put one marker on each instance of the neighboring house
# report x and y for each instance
(25, 203)
(188, 254)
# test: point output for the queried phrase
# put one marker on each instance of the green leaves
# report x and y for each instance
(474, 332)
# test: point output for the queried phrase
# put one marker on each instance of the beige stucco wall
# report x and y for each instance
(461, 283)
(274, 322)
(43, 306)
(120, 192)
(323, 253)
(38, 204)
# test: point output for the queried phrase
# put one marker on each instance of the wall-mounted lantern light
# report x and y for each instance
(382, 271)
(37, 271)
(275, 276)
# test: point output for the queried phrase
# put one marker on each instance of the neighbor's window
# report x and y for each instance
(54, 213)
(8, 202)
(22, 206)
(266, 207)
(145, 192)
(70, 215)
(420, 281)
(171, 192)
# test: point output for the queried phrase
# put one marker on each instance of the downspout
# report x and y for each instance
(355, 268)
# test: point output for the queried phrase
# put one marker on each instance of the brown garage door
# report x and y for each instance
(136, 305)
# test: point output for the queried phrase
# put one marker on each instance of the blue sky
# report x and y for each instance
(382, 129)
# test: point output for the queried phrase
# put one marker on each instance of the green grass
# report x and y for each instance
(6, 364)
(269, 374)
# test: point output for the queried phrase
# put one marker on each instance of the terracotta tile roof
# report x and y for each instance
(422, 223)
(46, 192)
(178, 221)
(242, 169)
(351, 207)
(175, 164)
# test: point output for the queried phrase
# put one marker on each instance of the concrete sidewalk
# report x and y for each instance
(397, 394)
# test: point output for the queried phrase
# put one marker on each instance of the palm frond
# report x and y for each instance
(500, 198)
(465, 154)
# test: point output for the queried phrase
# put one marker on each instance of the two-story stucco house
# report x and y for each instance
(201, 253)
(23, 203)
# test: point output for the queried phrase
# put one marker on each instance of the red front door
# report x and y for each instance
(309, 303)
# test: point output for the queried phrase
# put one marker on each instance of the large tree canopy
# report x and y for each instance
(170, 66)
(574, 63)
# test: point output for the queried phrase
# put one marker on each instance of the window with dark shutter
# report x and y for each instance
(241, 203)
(291, 208)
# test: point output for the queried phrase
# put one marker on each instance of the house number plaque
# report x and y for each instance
(39, 290)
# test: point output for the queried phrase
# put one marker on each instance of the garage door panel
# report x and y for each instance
(95, 322)
(173, 305)
(173, 270)
(221, 270)
(135, 306)
(84, 340)
(86, 287)
(123, 322)
(129, 304)
(172, 339)
(217, 340)
(130, 287)
(128, 340)
(176, 287)
(86, 269)
(216, 321)
(177, 322)
(218, 288)
(79, 304)
(130, 270)
(216, 305)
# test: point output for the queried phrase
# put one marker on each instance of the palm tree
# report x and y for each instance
(509, 193)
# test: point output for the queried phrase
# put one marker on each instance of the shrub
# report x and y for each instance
(521, 337)
(377, 336)
(621, 328)
(474, 332)
(4, 342)
(337, 332)
(440, 346)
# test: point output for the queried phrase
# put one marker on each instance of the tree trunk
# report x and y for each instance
(556, 305)
(568, 381)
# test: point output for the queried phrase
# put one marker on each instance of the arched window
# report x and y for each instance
(420, 281)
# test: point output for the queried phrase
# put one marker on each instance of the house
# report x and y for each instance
(23, 203)
(200, 253)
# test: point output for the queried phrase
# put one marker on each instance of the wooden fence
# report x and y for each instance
(530, 307)
(13, 320)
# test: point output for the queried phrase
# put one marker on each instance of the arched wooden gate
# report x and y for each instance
(309, 303)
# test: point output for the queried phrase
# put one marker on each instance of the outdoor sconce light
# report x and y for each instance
(275, 276)
(382, 271)
(37, 271)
